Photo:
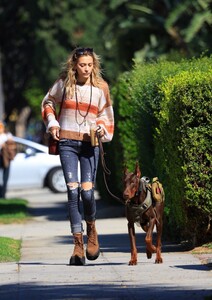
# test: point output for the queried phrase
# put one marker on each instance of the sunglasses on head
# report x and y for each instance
(82, 51)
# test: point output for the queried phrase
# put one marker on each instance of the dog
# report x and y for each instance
(142, 209)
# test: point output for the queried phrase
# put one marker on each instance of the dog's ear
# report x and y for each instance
(137, 170)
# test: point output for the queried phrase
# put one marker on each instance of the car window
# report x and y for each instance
(21, 148)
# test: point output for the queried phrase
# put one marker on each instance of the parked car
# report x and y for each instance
(33, 167)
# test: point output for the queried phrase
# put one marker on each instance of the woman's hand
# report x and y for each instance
(55, 131)
(100, 131)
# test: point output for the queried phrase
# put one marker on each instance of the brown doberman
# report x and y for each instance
(142, 209)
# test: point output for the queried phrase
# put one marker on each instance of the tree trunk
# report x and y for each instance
(21, 122)
(1, 95)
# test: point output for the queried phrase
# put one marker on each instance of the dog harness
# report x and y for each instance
(136, 210)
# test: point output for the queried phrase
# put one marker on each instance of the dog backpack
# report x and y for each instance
(157, 190)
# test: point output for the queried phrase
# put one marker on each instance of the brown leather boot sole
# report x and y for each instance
(77, 261)
(92, 257)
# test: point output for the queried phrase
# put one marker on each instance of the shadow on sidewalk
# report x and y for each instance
(58, 211)
(124, 291)
(119, 242)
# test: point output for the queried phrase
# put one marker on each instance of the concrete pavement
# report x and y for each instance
(43, 271)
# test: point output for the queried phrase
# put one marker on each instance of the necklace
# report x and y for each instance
(78, 110)
(82, 95)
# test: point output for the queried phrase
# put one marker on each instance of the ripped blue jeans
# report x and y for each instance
(79, 162)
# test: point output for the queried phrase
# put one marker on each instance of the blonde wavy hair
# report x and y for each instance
(69, 75)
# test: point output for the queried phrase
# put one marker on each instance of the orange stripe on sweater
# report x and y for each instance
(83, 107)
(110, 127)
(47, 110)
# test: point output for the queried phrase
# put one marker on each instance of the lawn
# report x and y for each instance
(9, 249)
(11, 211)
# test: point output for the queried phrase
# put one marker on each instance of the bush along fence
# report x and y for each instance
(163, 119)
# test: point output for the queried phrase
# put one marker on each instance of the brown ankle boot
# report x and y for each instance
(78, 256)
(92, 251)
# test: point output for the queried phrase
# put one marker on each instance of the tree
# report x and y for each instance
(159, 28)
(45, 32)
(36, 36)
(1, 96)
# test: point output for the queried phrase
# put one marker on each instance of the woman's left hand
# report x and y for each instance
(100, 131)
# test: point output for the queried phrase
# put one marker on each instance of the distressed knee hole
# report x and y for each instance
(72, 185)
(86, 186)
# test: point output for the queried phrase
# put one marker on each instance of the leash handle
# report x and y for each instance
(106, 170)
(102, 154)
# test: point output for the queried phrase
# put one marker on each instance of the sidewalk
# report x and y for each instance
(44, 273)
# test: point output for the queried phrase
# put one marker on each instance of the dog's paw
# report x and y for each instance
(158, 260)
(132, 262)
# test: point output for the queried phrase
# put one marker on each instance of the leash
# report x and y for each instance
(106, 171)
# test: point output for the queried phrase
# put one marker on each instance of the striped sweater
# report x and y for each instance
(77, 113)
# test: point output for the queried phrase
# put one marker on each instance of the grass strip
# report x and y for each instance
(9, 249)
(204, 249)
(13, 211)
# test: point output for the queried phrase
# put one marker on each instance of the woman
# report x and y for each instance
(86, 102)
(7, 153)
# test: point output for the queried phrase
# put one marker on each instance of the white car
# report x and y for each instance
(33, 167)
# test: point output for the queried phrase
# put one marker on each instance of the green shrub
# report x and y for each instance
(184, 136)
(163, 120)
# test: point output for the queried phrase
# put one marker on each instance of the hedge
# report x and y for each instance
(163, 120)
(184, 133)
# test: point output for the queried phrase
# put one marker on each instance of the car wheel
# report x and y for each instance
(56, 181)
